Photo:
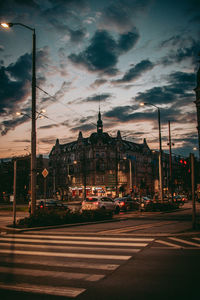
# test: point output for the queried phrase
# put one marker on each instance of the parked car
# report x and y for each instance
(98, 203)
(49, 204)
(179, 200)
(127, 203)
(146, 204)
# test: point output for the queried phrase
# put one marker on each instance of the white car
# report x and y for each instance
(104, 204)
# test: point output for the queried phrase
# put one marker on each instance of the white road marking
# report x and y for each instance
(196, 239)
(53, 274)
(70, 264)
(184, 241)
(75, 255)
(74, 242)
(81, 237)
(168, 244)
(43, 289)
(57, 247)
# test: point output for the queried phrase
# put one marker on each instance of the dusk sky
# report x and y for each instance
(110, 53)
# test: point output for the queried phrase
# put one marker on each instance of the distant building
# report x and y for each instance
(101, 164)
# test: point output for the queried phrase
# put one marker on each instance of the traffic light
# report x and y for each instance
(183, 162)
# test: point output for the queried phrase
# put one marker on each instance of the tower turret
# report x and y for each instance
(99, 123)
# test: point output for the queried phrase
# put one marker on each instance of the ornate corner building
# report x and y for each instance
(101, 164)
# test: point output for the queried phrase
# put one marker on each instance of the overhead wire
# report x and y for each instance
(53, 97)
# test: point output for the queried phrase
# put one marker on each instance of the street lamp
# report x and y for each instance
(33, 118)
(160, 151)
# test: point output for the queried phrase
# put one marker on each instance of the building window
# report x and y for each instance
(100, 179)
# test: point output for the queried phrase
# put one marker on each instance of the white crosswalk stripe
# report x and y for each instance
(180, 243)
(62, 265)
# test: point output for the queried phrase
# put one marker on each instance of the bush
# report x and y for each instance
(55, 217)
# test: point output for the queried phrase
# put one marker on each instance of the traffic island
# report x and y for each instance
(44, 217)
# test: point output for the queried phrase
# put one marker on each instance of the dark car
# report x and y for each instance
(146, 204)
(49, 204)
(179, 200)
(127, 203)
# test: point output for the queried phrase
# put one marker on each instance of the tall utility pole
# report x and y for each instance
(33, 132)
(160, 150)
(160, 157)
(170, 162)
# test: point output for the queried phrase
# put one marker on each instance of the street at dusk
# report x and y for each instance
(99, 149)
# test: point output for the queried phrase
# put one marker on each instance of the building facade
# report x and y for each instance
(102, 165)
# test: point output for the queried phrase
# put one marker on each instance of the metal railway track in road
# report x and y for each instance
(61, 265)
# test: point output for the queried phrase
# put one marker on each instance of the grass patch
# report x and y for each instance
(10, 208)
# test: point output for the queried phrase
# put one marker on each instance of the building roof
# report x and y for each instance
(100, 137)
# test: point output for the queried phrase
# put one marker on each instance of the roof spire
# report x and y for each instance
(99, 122)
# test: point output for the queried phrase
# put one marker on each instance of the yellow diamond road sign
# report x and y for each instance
(45, 173)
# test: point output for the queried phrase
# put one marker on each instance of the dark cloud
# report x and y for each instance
(97, 98)
(180, 88)
(84, 128)
(128, 40)
(195, 19)
(103, 51)
(135, 72)
(49, 126)
(16, 82)
(21, 70)
(121, 14)
(8, 125)
(77, 35)
(176, 95)
(100, 54)
(98, 82)
(13, 92)
(122, 113)
(180, 49)
(64, 16)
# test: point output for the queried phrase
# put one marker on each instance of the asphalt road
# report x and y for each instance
(139, 256)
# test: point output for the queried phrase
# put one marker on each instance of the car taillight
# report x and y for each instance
(96, 203)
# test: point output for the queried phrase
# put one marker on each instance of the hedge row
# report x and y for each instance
(54, 217)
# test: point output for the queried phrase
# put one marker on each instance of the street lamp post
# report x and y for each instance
(160, 151)
(33, 131)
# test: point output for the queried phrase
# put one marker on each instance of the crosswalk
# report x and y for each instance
(62, 265)
(179, 242)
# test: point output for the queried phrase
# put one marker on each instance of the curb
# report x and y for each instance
(6, 229)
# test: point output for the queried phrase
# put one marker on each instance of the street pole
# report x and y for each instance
(160, 158)
(33, 132)
(160, 151)
(130, 175)
(170, 162)
(14, 192)
(193, 191)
